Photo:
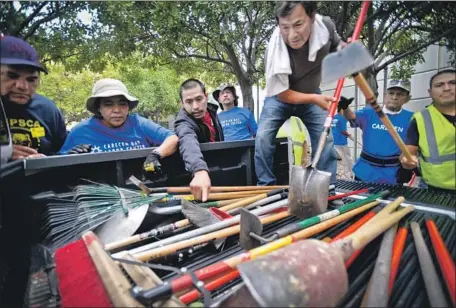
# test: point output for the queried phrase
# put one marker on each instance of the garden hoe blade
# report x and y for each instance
(250, 223)
(353, 58)
(308, 192)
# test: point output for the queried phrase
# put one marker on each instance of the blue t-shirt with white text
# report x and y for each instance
(338, 125)
(238, 124)
(136, 133)
(378, 142)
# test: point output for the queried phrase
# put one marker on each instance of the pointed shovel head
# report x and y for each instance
(250, 223)
(353, 58)
(120, 226)
(308, 192)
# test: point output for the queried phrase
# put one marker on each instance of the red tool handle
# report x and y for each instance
(355, 192)
(340, 83)
(355, 226)
(412, 180)
(443, 256)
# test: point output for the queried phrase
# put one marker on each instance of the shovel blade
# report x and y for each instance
(308, 192)
(119, 226)
(353, 58)
(250, 223)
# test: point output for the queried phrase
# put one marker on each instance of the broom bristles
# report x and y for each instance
(79, 282)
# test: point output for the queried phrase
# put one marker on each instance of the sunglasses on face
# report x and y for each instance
(399, 82)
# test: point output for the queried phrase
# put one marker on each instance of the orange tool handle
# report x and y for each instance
(443, 256)
(354, 226)
(193, 295)
(398, 248)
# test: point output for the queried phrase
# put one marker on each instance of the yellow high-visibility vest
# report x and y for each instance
(437, 149)
(293, 129)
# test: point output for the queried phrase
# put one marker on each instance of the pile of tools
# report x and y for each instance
(220, 249)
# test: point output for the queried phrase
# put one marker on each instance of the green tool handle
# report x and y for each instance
(292, 228)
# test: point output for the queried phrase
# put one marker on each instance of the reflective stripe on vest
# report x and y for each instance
(434, 156)
(296, 134)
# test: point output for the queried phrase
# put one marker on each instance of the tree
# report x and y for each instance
(68, 90)
(52, 27)
(221, 41)
(231, 36)
(156, 88)
(222, 37)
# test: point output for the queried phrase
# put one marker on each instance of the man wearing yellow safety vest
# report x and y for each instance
(293, 128)
(432, 135)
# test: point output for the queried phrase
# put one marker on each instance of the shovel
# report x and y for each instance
(308, 190)
(353, 58)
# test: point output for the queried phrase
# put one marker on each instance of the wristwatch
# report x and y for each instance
(156, 151)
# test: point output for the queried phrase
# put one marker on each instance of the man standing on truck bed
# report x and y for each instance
(293, 74)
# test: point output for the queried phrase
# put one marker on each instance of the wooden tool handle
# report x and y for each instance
(370, 97)
(377, 291)
(243, 202)
(115, 283)
(123, 242)
(178, 190)
(387, 210)
(145, 278)
(166, 250)
(360, 239)
(431, 280)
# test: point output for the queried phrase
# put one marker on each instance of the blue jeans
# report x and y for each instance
(273, 115)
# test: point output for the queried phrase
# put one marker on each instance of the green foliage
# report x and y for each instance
(156, 89)
(68, 90)
(216, 41)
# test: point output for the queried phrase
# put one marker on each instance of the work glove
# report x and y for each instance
(81, 149)
(152, 165)
(344, 102)
(403, 175)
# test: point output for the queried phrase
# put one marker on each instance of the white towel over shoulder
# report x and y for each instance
(278, 66)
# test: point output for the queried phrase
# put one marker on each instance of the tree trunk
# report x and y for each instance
(247, 95)
(245, 82)
(371, 77)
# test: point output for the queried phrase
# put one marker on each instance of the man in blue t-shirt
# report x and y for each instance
(112, 128)
(340, 134)
(237, 123)
(37, 126)
(379, 160)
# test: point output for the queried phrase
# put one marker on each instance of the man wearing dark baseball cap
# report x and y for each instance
(37, 126)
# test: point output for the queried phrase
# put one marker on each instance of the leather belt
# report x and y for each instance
(390, 162)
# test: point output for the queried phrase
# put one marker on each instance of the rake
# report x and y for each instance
(91, 206)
